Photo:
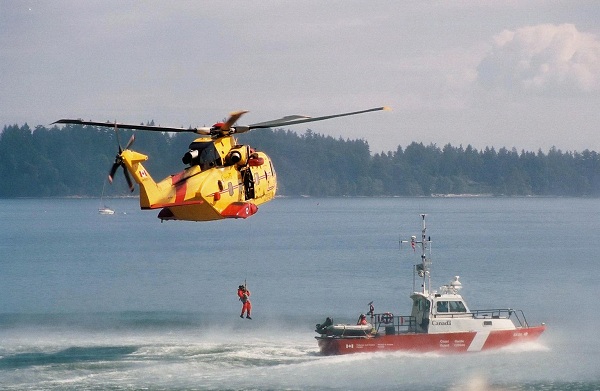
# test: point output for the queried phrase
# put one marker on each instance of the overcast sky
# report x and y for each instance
(505, 73)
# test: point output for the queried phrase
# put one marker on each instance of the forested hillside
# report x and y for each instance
(75, 160)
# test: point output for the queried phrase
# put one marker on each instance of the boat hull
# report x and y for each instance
(457, 342)
(106, 211)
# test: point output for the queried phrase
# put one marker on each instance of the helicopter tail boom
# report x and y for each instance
(149, 190)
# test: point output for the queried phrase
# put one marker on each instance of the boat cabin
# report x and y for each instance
(430, 306)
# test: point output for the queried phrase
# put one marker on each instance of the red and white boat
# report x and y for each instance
(439, 321)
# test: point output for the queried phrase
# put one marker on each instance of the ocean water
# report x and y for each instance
(125, 302)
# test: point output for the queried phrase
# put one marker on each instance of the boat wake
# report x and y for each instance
(69, 356)
(200, 358)
(529, 346)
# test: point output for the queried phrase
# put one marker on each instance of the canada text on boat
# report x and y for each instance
(440, 321)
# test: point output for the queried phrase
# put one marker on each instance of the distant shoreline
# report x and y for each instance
(466, 195)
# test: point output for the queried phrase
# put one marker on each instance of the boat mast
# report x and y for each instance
(422, 269)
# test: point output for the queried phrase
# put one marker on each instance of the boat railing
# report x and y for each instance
(502, 313)
(393, 324)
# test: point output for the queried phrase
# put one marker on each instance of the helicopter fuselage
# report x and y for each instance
(224, 180)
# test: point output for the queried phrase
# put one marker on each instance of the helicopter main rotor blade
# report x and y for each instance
(131, 140)
(225, 128)
(233, 117)
(126, 126)
(298, 119)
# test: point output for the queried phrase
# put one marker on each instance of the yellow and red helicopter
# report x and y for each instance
(223, 179)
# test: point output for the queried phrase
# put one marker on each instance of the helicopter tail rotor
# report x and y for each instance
(120, 163)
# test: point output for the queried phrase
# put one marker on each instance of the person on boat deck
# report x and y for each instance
(244, 295)
(362, 320)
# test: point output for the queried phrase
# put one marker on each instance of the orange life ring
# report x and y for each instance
(387, 318)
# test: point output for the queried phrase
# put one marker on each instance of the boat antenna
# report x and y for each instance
(371, 311)
(422, 269)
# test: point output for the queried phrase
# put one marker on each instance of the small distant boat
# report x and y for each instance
(103, 209)
(106, 211)
(439, 321)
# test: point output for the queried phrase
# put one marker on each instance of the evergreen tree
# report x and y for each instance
(74, 161)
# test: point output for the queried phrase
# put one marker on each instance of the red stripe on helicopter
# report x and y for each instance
(238, 210)
(180, 187)
(156, 206)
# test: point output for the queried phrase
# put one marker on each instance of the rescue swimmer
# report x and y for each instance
(244, 296)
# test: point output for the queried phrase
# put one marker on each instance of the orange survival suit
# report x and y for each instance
(244, 295)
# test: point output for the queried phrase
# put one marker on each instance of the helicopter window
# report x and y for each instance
(230, 188)
(207, 156)
(272, 170)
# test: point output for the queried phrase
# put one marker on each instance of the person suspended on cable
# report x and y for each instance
(244, 296)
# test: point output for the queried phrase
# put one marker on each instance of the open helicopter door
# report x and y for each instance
(247, 177)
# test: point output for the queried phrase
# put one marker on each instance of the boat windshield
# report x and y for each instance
(450, 306)
(457, 306)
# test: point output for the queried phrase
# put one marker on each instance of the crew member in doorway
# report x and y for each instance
(244, 295)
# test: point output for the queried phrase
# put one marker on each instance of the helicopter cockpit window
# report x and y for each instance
(203, 154)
